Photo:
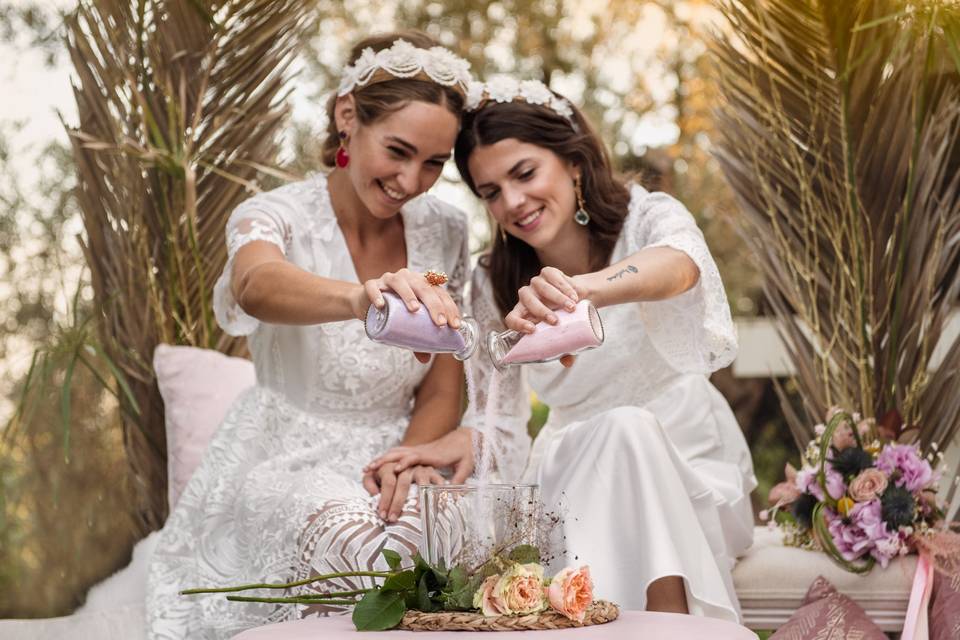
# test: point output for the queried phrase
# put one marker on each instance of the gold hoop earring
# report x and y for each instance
(581, 217)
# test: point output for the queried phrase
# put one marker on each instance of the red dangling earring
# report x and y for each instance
(343, 158)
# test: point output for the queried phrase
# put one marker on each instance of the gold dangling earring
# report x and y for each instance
(503, 233)
(581, 217)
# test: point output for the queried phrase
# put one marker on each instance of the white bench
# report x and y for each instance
(771, 581)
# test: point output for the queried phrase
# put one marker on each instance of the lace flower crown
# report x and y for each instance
(403, 60)
(509, 89)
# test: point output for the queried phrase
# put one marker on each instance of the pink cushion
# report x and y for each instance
(945, 607)
(198, 386)
(827, 613)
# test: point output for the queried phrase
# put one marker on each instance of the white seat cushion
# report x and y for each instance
(771, 581)
(120, 623)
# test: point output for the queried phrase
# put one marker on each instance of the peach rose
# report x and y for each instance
(486, 600)
(869, 484)
(520, 589)
(571, 592)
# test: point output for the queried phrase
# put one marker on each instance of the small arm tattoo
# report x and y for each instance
(629, 269)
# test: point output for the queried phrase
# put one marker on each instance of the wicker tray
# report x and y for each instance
(599, 612)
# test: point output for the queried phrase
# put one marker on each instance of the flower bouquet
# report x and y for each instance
(860, 498)
(509, 592)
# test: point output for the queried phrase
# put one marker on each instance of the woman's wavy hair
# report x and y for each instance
(512, 262)
(374, 101)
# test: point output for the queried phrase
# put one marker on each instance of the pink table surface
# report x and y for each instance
(630, 625)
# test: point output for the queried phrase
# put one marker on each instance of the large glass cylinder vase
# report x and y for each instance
(467, 525)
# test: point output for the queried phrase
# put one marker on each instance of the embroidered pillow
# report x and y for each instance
(945, 608)
(827, 613)
(198, 386)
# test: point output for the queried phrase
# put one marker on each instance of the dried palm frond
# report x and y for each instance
(180, 106)
(840, 131)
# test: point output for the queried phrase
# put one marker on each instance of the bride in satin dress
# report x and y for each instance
(643, 453)
(280, 494)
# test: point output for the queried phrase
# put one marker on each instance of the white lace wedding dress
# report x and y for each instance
(278, 496)
(642, 452)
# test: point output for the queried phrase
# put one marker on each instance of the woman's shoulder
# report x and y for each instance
(643, 201)
(310, 190)
(299, 204)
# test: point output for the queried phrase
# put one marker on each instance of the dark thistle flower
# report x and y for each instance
(802, 509)
(851, 461)
(898, 506)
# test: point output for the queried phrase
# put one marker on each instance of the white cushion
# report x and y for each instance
(128, 585)
(198, 386)
(119, 623)
(771, 581)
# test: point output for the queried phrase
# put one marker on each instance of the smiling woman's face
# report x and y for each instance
(400, 156)
(527, 189)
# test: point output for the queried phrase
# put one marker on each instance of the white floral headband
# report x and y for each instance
(509, 89)
(403, 60)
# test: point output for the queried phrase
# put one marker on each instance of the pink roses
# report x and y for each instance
(870, 484)
(571, 592)
(520, 590)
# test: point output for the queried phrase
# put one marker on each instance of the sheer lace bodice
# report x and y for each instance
(333, 368)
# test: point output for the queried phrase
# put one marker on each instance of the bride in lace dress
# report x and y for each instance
(642, 450)
(278, 496)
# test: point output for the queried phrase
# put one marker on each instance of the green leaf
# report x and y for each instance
(424, 602)
(525, 554)
(784, 517)
(403, 581)
(119, 377)
(421, 565)
(458, 596)
(379, 610)
(493, 566)
(438, 573)
(392, 558)
(65, 393)
(457, 578)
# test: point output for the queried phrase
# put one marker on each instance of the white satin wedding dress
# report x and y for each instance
(642, 452)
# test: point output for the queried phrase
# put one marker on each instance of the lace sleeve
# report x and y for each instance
(506, 390)
(693, 331)
(460, 241)
(263, 217)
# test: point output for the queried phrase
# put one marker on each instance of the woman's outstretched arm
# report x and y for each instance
(271, 289)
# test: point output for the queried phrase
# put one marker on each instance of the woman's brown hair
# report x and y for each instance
(379, 99)
(513, 262)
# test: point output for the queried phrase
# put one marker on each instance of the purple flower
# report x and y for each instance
(892, 545)
(807, 482)
(904, 463)
(804, 478)
(856, 535)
